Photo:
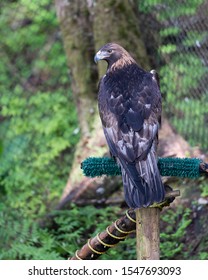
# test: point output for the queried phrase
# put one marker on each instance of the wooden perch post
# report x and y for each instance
(148, 228)
(148, 233)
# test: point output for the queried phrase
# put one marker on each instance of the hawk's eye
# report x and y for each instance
(109, 51)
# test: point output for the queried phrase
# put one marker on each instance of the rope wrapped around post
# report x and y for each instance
(107, 239)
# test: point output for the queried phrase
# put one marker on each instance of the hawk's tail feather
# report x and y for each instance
(142, 182)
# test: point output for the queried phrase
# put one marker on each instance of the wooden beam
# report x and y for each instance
(148, 227)
(148, 233)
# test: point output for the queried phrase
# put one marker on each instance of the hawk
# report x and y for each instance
(129, 102)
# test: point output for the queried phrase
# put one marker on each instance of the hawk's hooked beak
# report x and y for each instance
(100, 55)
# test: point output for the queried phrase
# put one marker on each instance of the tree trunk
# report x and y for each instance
(76, 28)
(85, 27)
(116, 21)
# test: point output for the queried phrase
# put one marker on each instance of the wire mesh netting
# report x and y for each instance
(182, 58)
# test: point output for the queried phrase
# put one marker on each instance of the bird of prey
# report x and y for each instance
(129, 102)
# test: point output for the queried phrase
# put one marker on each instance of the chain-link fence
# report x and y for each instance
(180, 52)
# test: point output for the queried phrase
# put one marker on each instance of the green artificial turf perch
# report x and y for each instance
(178, 167)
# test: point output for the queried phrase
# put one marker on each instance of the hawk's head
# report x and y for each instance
(115, 55)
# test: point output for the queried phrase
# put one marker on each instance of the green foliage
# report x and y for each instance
(38, 126)
(175, 230)
(77, 227)
(72, 229)
(204, 188)
(1, 147)
(37, 111)
(168, 9)
(203, 255)
(25, 240)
